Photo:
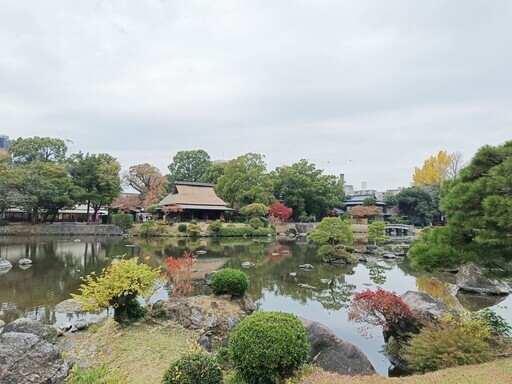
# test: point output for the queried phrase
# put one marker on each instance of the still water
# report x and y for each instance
(59, 262)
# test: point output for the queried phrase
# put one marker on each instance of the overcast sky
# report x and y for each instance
(366, 88)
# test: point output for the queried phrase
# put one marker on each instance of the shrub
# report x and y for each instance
(444, 345)
(215, 226)
(385, 309)
(256, 223)
(4, 223)
(332, 230)
(123, 221)
(230, 281)
(432, 250)
(497, 324)
(193, 222)
(193, 230)
(182, 227)
(268, 346)
(117, 285)
(95, 375)
(193, 368)
(336, 254)
(180, 272)
(232, 231)
(254, 210)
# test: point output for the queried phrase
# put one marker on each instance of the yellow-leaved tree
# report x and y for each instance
(438, 168)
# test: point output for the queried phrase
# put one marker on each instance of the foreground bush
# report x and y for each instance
(193, 368)
(118, 285)
(384, 309)
(443, 346)
(231, 281)
(95, 375)
(268, 346)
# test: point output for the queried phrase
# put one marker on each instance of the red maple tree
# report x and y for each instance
(179, 271)
(280, 211)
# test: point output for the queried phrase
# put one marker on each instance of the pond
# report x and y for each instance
(59, 262)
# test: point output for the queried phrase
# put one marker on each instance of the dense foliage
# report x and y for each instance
(437, 169)
(268, 346)
(384, 309)
(148, 181)
(230, 281)
(305, 189)
(336, 254)
(254, 210)
(245, 230)
(332, 230)
(377, 232)
(193, 368)
(117, 285)
(123, 221)
(478, 210)
(419, 204)
(453, 341)
(188, 166)
(245, 181)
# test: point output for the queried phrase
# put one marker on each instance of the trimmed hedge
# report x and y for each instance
(194, 368)
(123, 221)
(231, 281)
(268, 346)
(244, 231)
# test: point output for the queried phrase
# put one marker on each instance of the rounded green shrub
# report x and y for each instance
(256, 223)
(336, 254)
(268, 346)
(231, 281)
(194, 368)
(215, 226)
(182, 227)
(194, 230)
(123, 221)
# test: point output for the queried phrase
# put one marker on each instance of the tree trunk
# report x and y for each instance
(88, 209)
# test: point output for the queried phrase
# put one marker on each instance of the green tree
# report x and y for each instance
(42, 187)
(44, 149)
(254, 210)
(333, 231)
(478, 209)
(98, 177)
(188, 166)
(377, 232)
(245, 181)
(419, 204)
(213, 173)
(307, 190)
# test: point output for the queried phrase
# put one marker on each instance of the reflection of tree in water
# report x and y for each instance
(438, 289)
(377, 271)
(277, 253)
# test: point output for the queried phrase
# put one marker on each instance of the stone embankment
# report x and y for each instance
(62, 229)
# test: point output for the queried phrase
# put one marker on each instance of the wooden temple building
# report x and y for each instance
(192, 201)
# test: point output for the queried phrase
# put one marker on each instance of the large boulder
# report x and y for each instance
(24, 325)
(424, 306)
(333, 354)
(26, 358)
(69, 306)
(471, 278)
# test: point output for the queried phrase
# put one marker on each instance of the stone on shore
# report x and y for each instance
(471, 278)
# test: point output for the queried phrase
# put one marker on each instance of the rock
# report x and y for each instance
(196, 318)
(2, 323)
(81, 324)
(5, 265)
(333, 354)
(24, 325)
(26, 358)
(362, 259)
(211, 320)
(65, 327)
(24, 266)
(306, 266)
(303, 234)
(426, 307)
(247, 264)
(293, 274)
(471, 278)
(232, 322)
(389, 255)
(325, 281)
(306, 286)
(208, 277)
(69, 306)
(275, 253)
(201, 252)
(205, 341)
(25, 261)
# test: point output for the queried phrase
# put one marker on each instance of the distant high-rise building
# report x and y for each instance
(364, 185)
(5, 143)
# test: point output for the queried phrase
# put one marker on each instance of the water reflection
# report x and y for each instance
(321, 294)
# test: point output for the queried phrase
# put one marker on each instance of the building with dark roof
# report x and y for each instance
(193, 201)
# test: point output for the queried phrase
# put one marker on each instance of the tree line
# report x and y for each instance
(38, 176)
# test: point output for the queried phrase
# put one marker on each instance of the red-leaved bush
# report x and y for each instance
(382, 308)
(279, 211)
(179, 270)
